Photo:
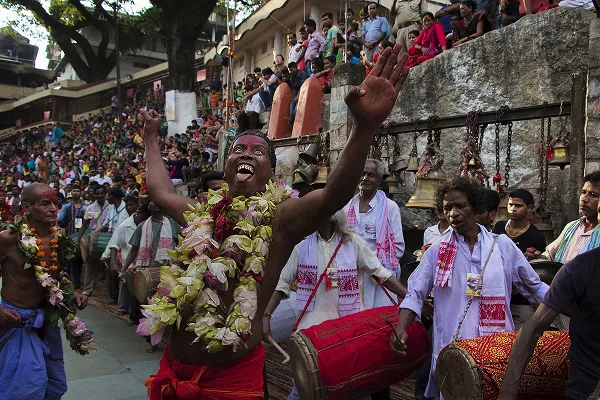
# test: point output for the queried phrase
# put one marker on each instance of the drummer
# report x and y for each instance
(578, 236)
(150, 254)
(330, 301)
(459, 258)
(573, 292)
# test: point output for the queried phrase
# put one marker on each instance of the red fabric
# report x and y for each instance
(544, 376)
(375, 58)
(237, 380)
(354, 352)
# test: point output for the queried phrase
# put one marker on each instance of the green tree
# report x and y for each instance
(63, 20)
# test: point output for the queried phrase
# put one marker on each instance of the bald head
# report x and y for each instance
(36, 191)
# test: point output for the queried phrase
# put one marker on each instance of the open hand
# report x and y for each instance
(373, 100)
(151, 124)
(9, 318)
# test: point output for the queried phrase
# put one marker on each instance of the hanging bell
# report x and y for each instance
(308, 174)
(393, 185)
(300, 185)
(546, 230)
(309, 155)
(321, 180)
(400, 166)
(413, 164)
(560, 155)
(502, 213)
(424, 196)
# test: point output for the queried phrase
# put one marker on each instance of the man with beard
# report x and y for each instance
(578, 236)
(248, 169)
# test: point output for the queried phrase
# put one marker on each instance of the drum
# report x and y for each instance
(145, 282)
(98, 243)
(129, 281)
(475, 368)
(545, 269)
(351, 356)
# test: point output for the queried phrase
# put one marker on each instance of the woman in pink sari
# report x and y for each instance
(431, 41)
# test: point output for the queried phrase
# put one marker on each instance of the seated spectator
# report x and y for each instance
(412, 36)
(382, 46)
(176, 163)
(269, 85)
(430, 42)
(452, 37)
(295, 81)
(473, 24)
(351, 56)
(325, 74)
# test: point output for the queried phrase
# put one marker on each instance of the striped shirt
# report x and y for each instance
(577, 244)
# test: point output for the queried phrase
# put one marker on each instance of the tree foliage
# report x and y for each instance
(64, 20)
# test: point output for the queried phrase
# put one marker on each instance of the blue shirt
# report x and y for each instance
(373, 28)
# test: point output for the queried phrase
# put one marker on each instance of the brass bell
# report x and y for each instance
(413, 164)
(298, 180)
(300, 185)
(560, 155)
(400, 166)
(547, 230)
(502, 213)
(424, 196)
(393, 185)
(308, 174)
(309, 155)
(321, 180)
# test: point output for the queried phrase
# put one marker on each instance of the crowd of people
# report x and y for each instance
(228, 256)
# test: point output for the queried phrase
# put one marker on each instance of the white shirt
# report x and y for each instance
(101, 179)
(433, 235)
(450, 303)
(293, 56)
(326, 301)
(120, 238)
(115, 216)
(255, 104)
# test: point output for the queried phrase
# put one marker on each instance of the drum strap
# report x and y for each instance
(314, 291)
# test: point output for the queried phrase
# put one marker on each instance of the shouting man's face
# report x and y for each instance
(248, 167)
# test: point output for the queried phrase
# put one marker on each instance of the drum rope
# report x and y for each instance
(480, 285)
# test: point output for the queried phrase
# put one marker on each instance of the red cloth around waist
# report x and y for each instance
(239, 379)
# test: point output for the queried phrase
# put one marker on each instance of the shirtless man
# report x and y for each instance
(27, 371)
(370, 104)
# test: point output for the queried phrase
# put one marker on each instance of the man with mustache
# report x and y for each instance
(578, 236)
(468, 264)
(248, 169)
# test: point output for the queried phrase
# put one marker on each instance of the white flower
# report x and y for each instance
(29, 241)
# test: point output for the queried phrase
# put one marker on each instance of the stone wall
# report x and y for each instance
(525, 64)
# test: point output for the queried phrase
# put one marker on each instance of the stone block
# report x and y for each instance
(594, 52)
(595, 29)
(348, 75)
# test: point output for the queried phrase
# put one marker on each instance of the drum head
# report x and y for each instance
(305, 368)
(546, 269)
(141, 284)
(457, 374)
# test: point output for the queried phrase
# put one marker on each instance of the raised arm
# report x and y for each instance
(370, 104)
(160, 188)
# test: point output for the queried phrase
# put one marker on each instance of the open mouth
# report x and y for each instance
(244, 172)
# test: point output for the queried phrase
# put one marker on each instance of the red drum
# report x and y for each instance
(475, 368)
(351, 356)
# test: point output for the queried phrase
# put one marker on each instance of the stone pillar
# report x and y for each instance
(592, 128)
(340, 118)
(315, 13)
(248, 59)
(278, 46)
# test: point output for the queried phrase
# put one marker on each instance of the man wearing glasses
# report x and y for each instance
(578, 236)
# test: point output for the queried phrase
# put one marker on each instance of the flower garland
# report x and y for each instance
(226, 238)
(60, 291)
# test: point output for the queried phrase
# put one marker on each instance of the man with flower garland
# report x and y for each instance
(234, 247)
(31, 354)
